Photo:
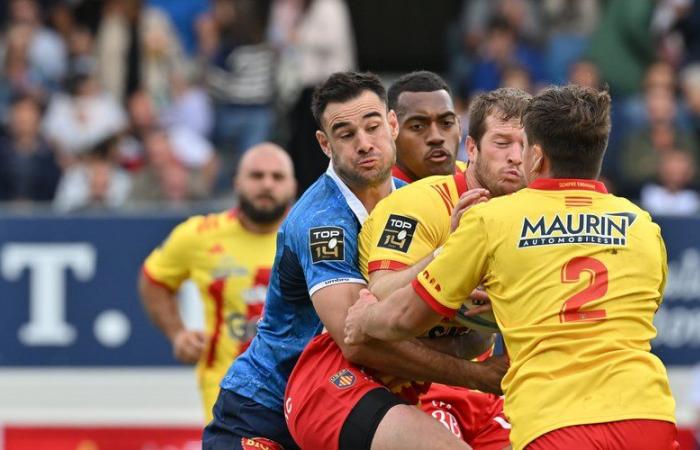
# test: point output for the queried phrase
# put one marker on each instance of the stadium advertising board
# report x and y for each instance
(68, 292)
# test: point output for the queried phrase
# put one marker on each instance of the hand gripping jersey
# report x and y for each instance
(575, 276)
(316, 247)
(231, 268)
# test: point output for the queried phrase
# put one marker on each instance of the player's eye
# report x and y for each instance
(502, 144)
(447, 123)
(372, 128)
(346, 135)
(417, 127)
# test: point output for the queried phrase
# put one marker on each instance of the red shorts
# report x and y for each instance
(321, 392)
(637, 434)
(475, 417)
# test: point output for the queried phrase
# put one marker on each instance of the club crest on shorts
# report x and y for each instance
(327, 244)
(398, 233)
(343, 379)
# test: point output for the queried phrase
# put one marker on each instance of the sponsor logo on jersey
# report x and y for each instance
(327, 244)
(398, 233)
(343, 379)
(582, 228)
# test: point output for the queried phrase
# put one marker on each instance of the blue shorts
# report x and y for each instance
(240, 423)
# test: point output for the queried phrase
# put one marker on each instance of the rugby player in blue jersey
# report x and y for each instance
(315, 278)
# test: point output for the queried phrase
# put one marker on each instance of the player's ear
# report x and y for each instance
(393, 123)
(538, 164)
(472, 151)
(323, 142)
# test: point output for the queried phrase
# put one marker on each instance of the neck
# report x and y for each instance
(257, 227)
(472, 178)
(369, 196)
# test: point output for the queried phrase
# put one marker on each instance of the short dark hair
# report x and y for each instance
(508, 103)
(419, 81)
(343, 86)
(572, 125)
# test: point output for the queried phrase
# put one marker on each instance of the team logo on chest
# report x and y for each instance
(343, 379)
(398, 233)
(327, 244)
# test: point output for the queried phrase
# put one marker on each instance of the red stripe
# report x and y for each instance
(562, 184)
(153, 280)
(431, 301)
(400, 174)
(445, 198)
(385, 264)
(216, 290)
(461, 183)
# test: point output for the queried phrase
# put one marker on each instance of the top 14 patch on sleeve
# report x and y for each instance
(398, 233)
(327, 244)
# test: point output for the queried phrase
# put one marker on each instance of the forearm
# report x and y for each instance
(161, 307)
(413, 360)
(466, 346)
(382, 283)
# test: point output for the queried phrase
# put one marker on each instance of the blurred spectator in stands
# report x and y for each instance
(81, 55)
(642, 149)
(183, 15)
(45, 50)
(569, 24)
(137, 48)
(95, 182)
(688, 25)
(515, 76)
(502, 48)
(17, 76)
(189, 106)
(523, 16)
(690, 84)
(190, 149)
(659, 76)
(314, 39)
(28, 167)
(622, 47)
(164, 177)
(240, 75)
(671, 195)
(77, 120)
(584, 73)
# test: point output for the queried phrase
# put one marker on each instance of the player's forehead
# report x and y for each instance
(353, 111)
(497, 125)
(424, 104)
(265, 161)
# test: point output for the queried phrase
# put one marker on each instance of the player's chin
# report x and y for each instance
(510, 186)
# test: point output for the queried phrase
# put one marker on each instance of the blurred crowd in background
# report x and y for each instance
(115, 104)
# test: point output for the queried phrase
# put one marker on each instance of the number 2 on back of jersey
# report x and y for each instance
(597, 287)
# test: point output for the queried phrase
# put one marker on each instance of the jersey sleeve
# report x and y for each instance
(406, 227)
(169, 264)
(457, 270)
(327, 252)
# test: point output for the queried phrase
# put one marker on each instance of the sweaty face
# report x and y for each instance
(498, 158)
(359, 136)
(429, 134)
(265, 187)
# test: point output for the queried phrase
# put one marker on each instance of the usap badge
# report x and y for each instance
(327, 244)
(398, 233)
(343, 379)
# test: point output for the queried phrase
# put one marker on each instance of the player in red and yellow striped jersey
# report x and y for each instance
(228, 256)
(402, 232)
(575, 276)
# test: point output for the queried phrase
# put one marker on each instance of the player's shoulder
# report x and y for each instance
(321, 206)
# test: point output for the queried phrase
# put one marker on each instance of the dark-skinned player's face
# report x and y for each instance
(429, 134)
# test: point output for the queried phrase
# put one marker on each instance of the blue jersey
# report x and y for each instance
(316, 247)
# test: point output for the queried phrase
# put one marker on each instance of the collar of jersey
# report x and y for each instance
(353, 202)
(566, 184)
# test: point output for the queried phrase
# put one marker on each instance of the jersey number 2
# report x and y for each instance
(597, 287)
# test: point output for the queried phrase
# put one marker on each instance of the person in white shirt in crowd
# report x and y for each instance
(672, 194)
